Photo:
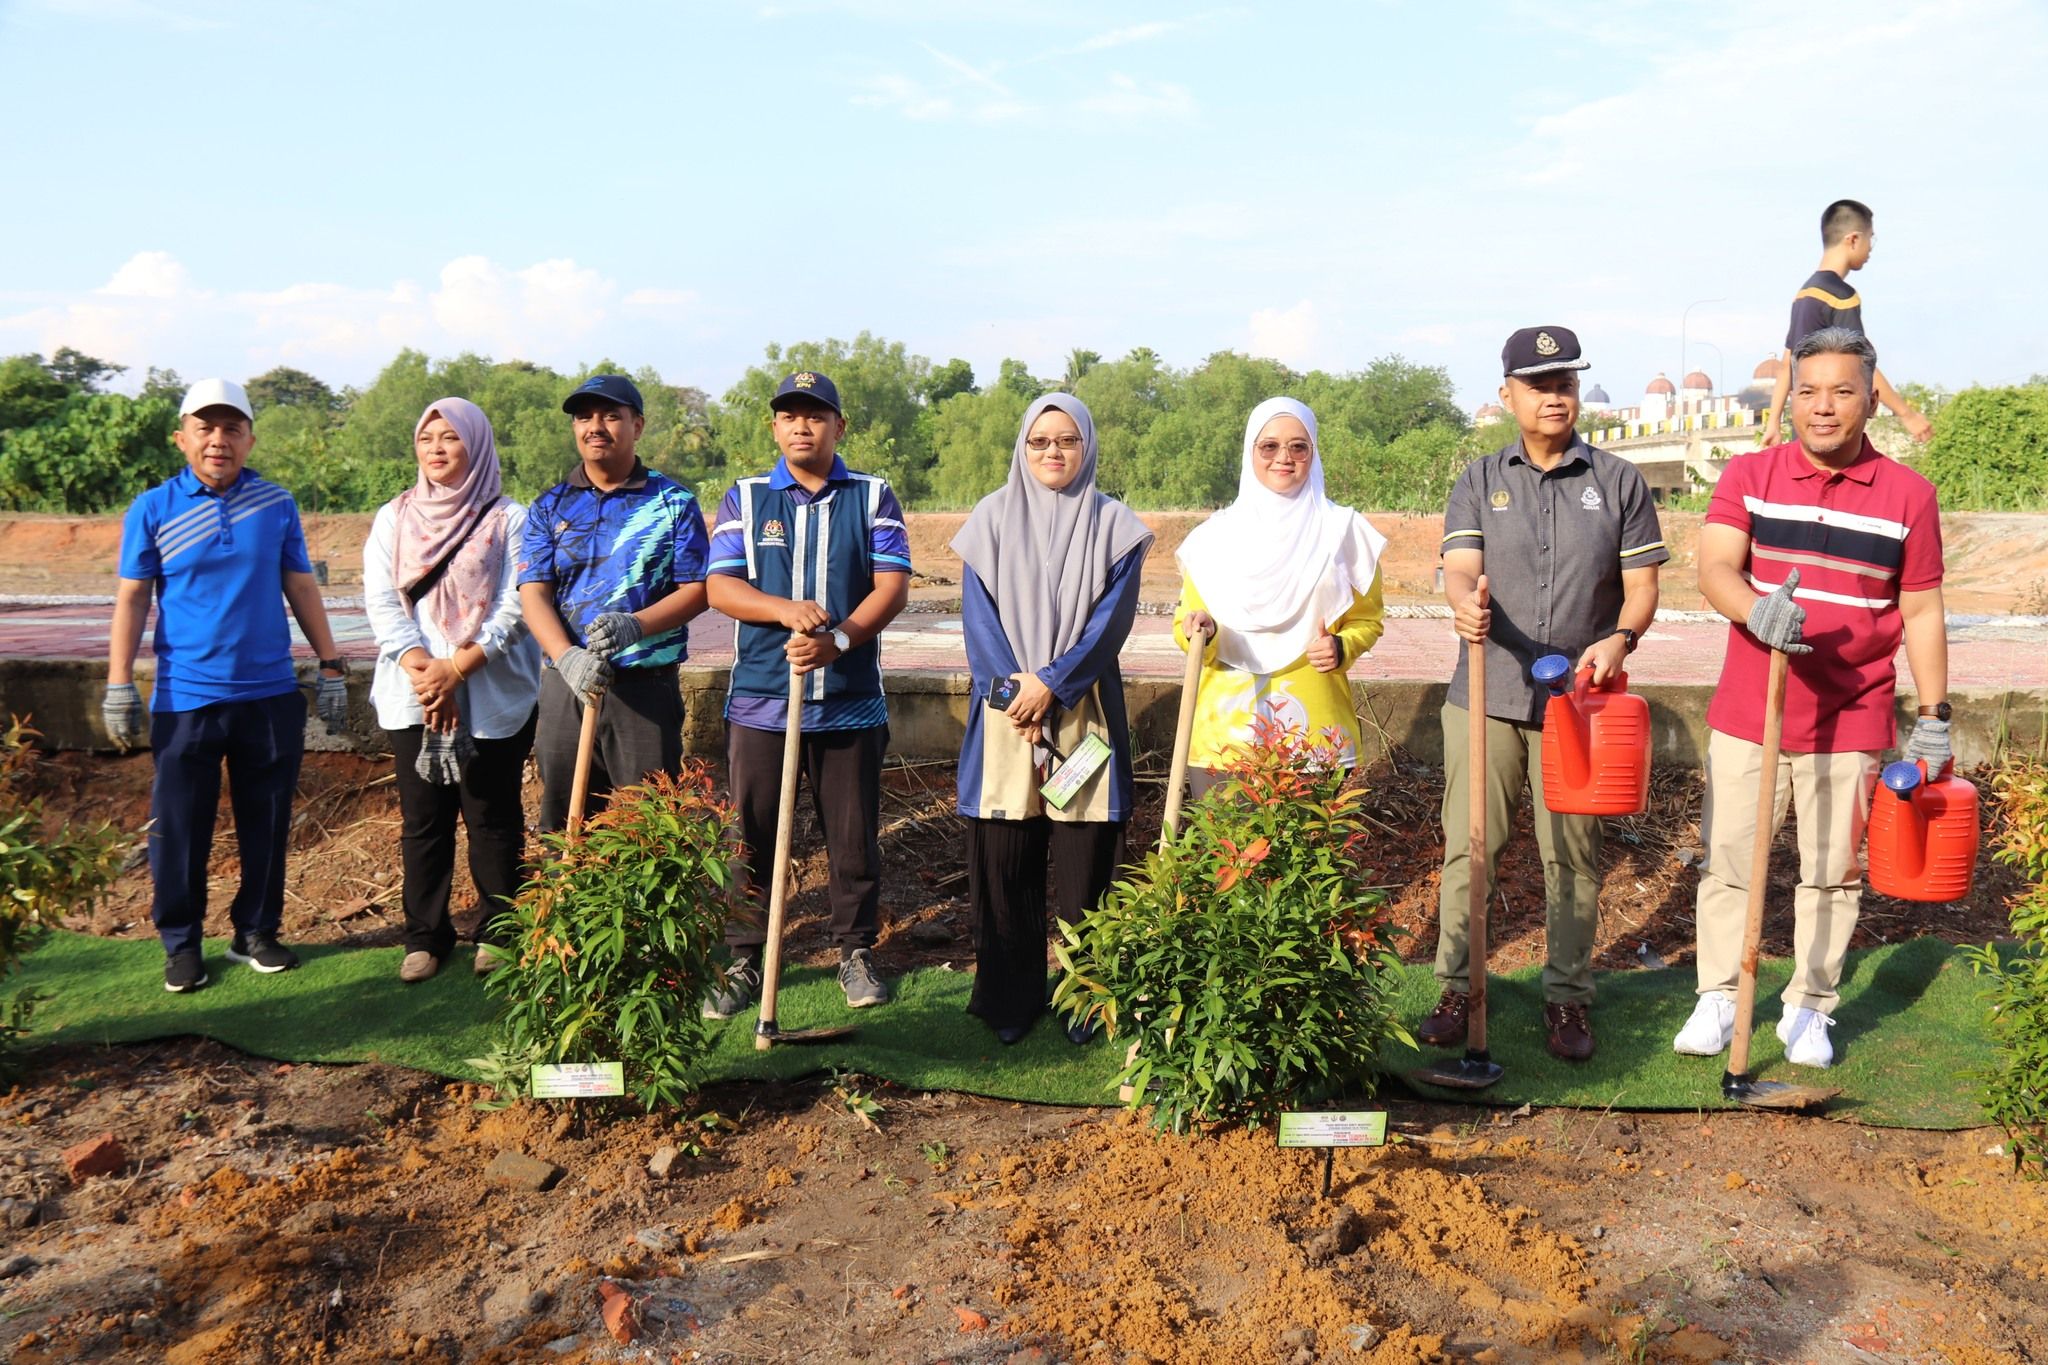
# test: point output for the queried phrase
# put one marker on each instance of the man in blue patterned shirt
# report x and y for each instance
(610, 573)
(813, 560)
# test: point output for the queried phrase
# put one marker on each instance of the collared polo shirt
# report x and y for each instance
(1859, 536)
(618, 549)
(218, 560)
(1825, 300)
(888, 551)
(1555, 543)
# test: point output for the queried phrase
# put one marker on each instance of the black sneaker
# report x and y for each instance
(735, 991)
(857, 978)
(262, 952)
(184, 972)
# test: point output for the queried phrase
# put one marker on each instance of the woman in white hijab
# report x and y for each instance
(1052, 567)
(1283, 585)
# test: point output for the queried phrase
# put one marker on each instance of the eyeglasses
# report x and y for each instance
(1270, 450)
(1067, 444)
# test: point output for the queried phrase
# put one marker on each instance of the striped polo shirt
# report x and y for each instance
(218, 560)
(1859, 536)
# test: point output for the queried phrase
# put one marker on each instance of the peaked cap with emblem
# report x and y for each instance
(1539, 350)
(807, 384)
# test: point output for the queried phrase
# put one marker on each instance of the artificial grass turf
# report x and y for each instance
(1909, 1030)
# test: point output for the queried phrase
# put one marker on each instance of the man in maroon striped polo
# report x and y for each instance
(1828, 551)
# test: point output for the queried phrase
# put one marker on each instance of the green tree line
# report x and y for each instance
(1392, 434)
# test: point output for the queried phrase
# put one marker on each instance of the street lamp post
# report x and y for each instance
(1683, 318)
(1720, 364)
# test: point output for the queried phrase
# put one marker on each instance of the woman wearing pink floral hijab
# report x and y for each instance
(457, 676)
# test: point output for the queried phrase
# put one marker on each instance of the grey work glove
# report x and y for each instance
(1775, 619)
(330, 702)
(121, 710)
(1929, 742)
(444, 754)
(586, 674)
(610, 633)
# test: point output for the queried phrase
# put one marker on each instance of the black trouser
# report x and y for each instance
(844, 770)
(1006, 866)
(488, 802)
(262, 743)
(639, 732)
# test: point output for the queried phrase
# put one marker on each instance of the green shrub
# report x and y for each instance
(1248, 960)
(1990, 450)
(612, 943)
(2015, 1088)
(41, 875)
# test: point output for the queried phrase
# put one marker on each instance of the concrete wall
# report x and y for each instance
(928, 712)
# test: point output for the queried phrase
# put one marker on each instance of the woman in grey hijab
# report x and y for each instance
(1050, 588)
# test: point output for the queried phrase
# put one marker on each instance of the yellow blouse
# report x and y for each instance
(1298, 696)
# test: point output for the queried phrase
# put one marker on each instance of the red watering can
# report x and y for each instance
(1596, 743)
(1923, 834)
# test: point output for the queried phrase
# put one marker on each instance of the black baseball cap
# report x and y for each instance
(606, 388)
(1539, 350)
(807, 384)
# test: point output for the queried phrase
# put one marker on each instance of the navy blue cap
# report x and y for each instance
(609, 388)
(1539, 350)
(808, 384)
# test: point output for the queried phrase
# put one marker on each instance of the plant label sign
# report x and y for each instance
(579, 1080)
(1348, 1128)
(1088, 756)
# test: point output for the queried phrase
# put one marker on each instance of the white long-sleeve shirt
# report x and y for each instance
(497, 698)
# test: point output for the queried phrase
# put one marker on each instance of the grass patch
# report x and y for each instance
(1909, 1028)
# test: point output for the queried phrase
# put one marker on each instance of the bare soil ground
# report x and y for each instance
(271, 1212)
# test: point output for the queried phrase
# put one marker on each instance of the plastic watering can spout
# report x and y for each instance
(1904, 780)
(1573, 736)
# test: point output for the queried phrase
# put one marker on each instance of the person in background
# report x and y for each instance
(1053, 566)
(458, 676)
(1283, 587)
(221, 550)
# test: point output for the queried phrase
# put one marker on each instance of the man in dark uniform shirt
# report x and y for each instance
(1827, 299)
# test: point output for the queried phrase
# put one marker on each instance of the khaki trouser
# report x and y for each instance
(1832, 793)
(1569, 844)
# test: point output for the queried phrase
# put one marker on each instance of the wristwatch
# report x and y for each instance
(1627, 635)
(1939, 711)
(335, 665)
(840, 642)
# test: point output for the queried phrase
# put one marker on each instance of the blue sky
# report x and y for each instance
(221, 187)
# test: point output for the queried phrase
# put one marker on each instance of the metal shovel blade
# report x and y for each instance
(1473, 1071)
(767, 1034)
(1746, 1089)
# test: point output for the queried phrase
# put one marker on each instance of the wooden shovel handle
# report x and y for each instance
(1760, 860)
(778, 881)
(1480, 888)
(1183, 737)
(586, 745)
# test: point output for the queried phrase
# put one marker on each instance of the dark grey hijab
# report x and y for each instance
(1044, 554)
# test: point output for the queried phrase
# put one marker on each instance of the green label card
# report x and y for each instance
(1352, 1128)
(579, 1080)
(1088, 756)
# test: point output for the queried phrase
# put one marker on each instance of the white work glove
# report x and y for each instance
(121, 710)
(610, 633)
(1775, 619)
(1929, 742)
(586, 674)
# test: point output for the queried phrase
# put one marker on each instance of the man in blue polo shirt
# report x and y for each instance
(814, 561)
(221, 550)
(610, 573)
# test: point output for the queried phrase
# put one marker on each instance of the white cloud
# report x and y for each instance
(1128, 97)
(1133, 33)
(660, 300)
(1292, 336)
(509, 311)
(148, 275)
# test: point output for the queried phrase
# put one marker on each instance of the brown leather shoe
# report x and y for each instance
(1445, 1026)
(1570, 1031)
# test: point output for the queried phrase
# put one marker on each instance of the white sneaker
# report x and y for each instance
(1710, 1029)
(1804, 1033)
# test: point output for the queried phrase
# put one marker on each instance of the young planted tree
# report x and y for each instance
(2015, 1088)
(612, 943)
(1249, 959)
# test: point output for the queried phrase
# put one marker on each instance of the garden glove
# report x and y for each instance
(586, 674)
(330, 700)
(1929, 743)
(1775, 619)
(121, 710)
(611, 633)
(444, 755)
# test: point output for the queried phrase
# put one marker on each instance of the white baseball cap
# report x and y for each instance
(217, 393)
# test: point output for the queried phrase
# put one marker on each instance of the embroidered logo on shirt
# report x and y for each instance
(1545, 344)
(1500, 499)
(1590, 499)
(772, 533)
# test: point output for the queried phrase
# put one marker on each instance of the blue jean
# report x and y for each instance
(262, 742)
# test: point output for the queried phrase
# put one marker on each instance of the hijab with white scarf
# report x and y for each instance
(1276, 570)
